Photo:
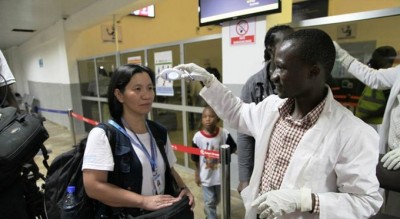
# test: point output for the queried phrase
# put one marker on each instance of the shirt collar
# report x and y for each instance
(310, 119)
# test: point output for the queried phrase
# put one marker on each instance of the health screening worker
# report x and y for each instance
(313, 157)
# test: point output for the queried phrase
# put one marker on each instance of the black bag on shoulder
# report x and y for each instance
(21, 137)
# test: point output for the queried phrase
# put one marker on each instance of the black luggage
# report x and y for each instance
(21, 136)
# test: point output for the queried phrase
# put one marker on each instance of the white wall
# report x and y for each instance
(49, 46)
(241, 61)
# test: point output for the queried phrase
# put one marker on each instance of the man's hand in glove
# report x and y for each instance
(343, 57)
(196, 73)
(391, 160)
(284, 201)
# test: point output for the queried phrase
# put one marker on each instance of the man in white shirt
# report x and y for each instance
(7, 97)
(314, 158)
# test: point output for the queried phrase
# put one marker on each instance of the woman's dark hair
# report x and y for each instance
(120, 78)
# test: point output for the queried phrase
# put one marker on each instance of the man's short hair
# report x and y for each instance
(269, 39)
(315, 47)
(382, 57)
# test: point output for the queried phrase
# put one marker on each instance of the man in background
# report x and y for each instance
(372, 103)
(7, 97)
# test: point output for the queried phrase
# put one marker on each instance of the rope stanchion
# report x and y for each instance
(79, 117)
(225, 181)
(53, 110)
(72, 124)
(200, 152)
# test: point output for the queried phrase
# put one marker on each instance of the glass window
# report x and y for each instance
(90, 111)
(86, 75)
(194, 125)
(105, 112)
(105, 66)
(172, 120)
(207, 54)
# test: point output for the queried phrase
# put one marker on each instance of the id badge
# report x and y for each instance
(157, 183)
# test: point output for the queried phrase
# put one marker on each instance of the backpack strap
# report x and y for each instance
(45, 154)
(110, 133)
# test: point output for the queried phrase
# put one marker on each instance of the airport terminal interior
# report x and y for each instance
(63, 53)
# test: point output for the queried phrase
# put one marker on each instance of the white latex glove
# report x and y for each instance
(343, 57)
(391, 160)
(284, 201)
(196, 73)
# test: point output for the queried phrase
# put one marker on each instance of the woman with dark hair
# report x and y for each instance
(144, 171)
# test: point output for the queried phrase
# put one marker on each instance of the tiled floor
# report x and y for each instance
(61, 141)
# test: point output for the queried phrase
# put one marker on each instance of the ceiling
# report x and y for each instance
(39, 14)
(33, 15)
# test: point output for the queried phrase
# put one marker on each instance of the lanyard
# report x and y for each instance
(153, 157)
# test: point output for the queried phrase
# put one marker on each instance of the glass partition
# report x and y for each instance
(90, 110)
(87, 74)
(207, 54)
(105, 66)
(172, 121)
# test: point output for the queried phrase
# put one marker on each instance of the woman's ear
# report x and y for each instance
(118, 95)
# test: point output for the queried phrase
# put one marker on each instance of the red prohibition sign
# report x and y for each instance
(242, 27)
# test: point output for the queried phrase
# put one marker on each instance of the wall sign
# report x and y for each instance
(108, 33)
(347, 31)
(242, 31)
(163, 60)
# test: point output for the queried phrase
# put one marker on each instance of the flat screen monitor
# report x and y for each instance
(144, 12)
(217, 11)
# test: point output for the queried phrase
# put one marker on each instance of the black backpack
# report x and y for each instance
(21, 137)
(66, 170)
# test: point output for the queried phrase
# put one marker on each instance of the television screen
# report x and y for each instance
(217, 11)
(144, 12)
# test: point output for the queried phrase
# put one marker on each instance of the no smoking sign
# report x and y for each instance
(242, 31)
(242, 27)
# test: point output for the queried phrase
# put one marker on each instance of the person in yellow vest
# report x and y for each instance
(372, 103)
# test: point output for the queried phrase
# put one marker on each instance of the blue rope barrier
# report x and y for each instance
(52, 110)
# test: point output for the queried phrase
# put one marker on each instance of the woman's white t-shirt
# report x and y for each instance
(98, 156)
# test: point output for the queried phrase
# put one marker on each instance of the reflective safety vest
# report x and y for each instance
(371, 105)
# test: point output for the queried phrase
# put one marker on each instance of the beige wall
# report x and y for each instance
(175, 20)
(383, 30)
(178, 20)
(337, 7)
